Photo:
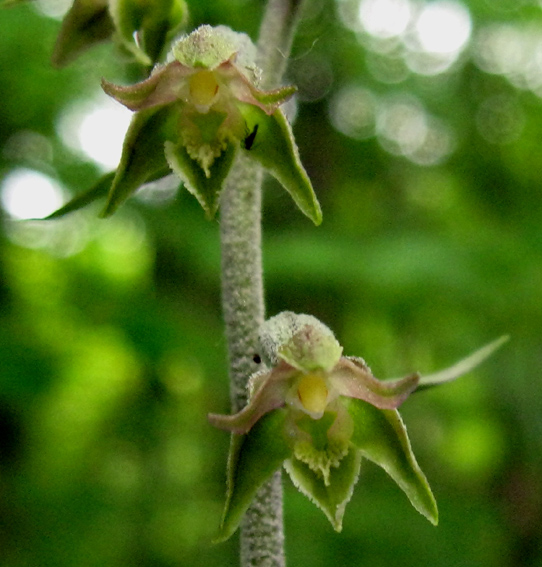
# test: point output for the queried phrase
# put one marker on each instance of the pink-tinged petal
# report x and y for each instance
(162, 87)
(269, 396)
(244, 90)
(351, 377)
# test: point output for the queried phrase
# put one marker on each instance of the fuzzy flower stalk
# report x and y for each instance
(318, 413)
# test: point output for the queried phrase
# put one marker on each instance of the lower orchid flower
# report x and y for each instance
(318, 413)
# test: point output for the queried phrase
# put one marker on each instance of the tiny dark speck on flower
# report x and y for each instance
(249, 140)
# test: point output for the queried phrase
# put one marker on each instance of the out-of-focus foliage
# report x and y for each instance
(424, 149)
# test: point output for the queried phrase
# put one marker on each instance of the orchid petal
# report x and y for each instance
(269, 396)
(252, 460)
(351, 377)
(381, 437)
(462, 367)
(245, 90)
(161, 88)
(274, 98)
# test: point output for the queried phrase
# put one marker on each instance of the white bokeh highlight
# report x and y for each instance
(96, 129)
(28, 194)
(385, 18)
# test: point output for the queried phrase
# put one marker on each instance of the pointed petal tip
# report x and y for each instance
(107, 211)
(464, 366)
(221, 536)
(317, 217)
(432, 514)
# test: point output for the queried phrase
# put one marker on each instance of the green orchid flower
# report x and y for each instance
(197, 111)
(141, 27)
(317, 413)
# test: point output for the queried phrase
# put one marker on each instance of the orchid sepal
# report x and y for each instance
(87, 23)
(462, 367)
(142, 155)
(252, 460)
(382, 438)
(275, 149)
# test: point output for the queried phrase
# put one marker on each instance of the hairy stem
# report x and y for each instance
(262, 531)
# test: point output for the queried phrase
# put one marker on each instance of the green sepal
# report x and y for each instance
(462, 367)
(98, 190)
(142, 156)
(152, 21)
(382, 438)
(87, 23)
(333, 497)
(205, 189)
(275, 148)
(253, 459)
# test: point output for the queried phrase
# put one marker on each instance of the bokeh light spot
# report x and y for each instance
(28, 194)
(96, 129)
(353, 112)
(385, 18)
(443, 27)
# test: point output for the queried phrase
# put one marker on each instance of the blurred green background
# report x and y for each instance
(420, 124)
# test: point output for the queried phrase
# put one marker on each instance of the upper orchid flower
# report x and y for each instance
(196, 111)
(318, 412)
(140, 28)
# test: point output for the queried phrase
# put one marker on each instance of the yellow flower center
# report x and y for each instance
(203, 88)
(312, 392)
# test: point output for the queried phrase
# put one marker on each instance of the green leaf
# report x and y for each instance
(333, 497)
(462, 367)
(382, 438)
(87, 22)
(143, 156)
(253, 459)
(275, 148)
(205, 189)
(98, 190)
